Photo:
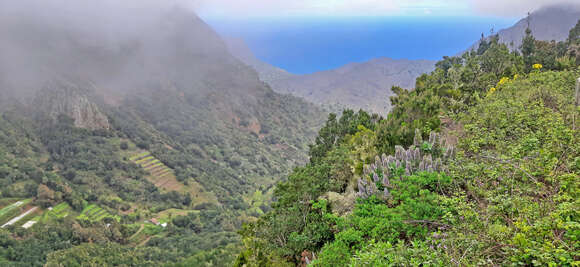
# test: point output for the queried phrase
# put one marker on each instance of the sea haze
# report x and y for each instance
(304, 45)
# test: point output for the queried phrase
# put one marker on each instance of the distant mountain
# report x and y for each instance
(364, 85)
(548, 23)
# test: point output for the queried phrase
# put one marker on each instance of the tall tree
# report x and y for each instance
(528, 48)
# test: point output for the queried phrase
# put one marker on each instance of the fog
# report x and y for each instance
(115, 45)
(244, 8)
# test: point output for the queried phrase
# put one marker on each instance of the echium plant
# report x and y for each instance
(430, 156)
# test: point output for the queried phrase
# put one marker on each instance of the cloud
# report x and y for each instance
(109, 41)
(513, 8)
(249, 8)
(296, 7)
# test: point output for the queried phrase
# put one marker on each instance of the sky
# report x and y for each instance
(251, 8)
(306, 45)
(305, 36)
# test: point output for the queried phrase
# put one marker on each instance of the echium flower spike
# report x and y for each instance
(418, 139)
(422, 165)
(375, 177)
(386, 181)
(390, 161)
(432, 138)
(371, 189)
(409, 155)
(428, 162)
(437, 166)
(398, 152)
(361, 187)
(417, 153)
(386, 193)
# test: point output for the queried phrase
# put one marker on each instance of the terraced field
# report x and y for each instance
(20, 219)
(164, 178)
(59, 211)
(160, 175)
(12, 210)
(95, 213)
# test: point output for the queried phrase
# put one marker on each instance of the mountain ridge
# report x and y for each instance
(356, 85)
(548, 23)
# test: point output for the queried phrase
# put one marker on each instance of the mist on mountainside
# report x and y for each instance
(118, 46)
(133, 134)
(131, 112)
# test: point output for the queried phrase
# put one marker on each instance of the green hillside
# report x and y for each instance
(479, 165)
(161, 149)
(106, 159)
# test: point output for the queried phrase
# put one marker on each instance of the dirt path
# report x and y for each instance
(138, 231)
(144, 242)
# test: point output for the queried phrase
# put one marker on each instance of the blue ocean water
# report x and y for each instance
(304, 45)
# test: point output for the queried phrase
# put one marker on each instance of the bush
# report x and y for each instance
(124, 145)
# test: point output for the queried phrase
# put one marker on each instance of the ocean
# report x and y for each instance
(303, 45)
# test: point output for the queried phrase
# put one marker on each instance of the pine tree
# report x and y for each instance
(528, 47)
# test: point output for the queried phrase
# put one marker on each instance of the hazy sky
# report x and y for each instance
(248, 8)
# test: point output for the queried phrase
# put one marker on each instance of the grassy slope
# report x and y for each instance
(516, 196)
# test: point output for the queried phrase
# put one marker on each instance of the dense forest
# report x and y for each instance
(479, 165)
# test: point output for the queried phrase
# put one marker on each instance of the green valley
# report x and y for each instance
(130, 136)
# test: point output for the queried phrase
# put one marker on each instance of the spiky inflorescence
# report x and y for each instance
(412, 160)
(418, 140)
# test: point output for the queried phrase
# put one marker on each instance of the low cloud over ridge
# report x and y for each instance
(244, 8)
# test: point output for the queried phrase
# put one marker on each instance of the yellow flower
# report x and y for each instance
(537, 66)
(516, 76)
(491, 91)
(503, 81)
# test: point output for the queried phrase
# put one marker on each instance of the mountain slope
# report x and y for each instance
(364, 85)
(548, 23)
(479, 165)
(151, 118)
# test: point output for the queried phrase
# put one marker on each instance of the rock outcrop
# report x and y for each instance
(62, 97)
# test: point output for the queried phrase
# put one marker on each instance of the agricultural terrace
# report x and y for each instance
(160, 175)
(95, 213)
(12, 210)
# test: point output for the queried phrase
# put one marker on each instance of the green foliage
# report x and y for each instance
(418, 109)
(335, 131)
(94, 213)
(509, 197)
(414, 208)
(418, 253)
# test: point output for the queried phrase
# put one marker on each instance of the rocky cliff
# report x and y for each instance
(67, 98)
